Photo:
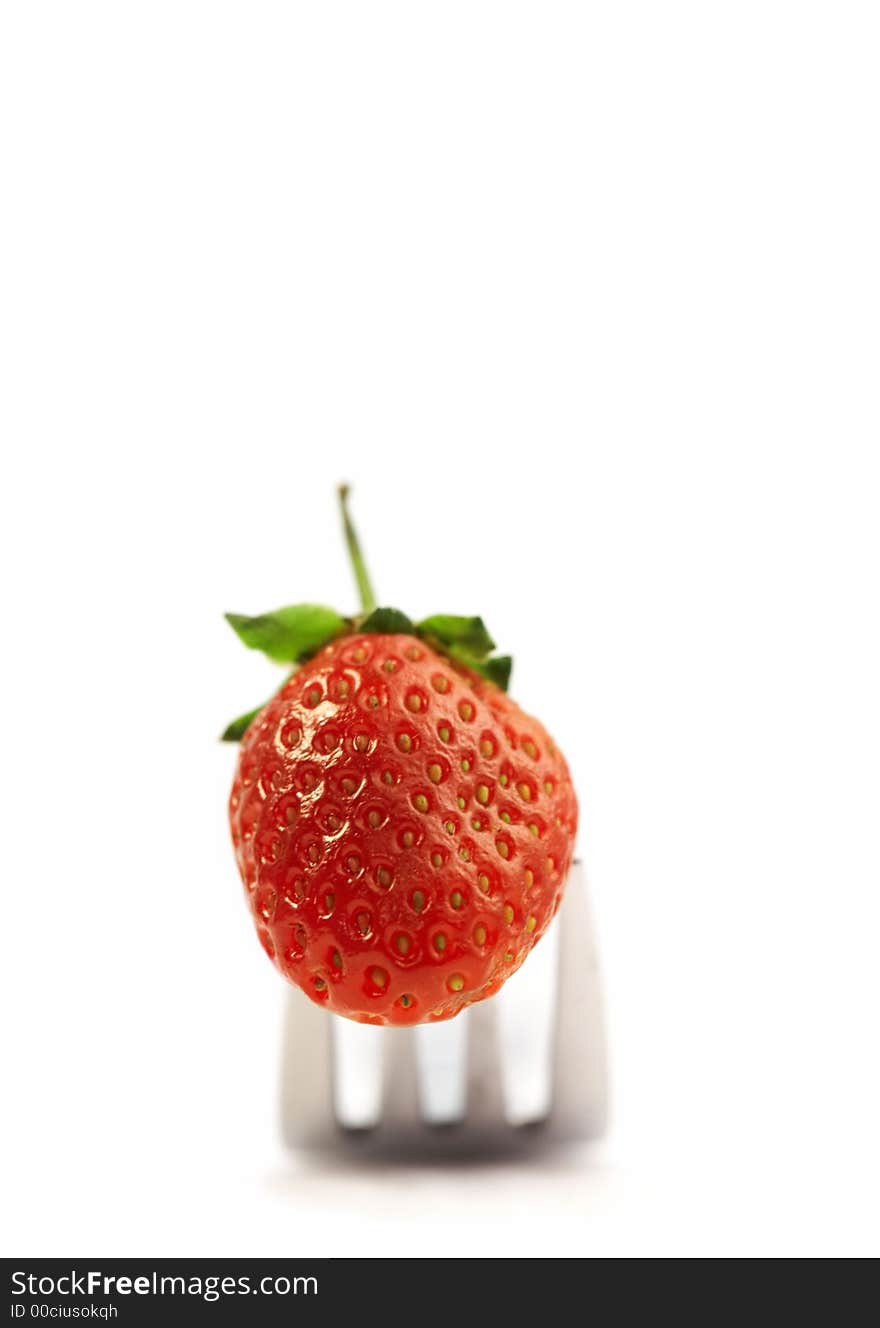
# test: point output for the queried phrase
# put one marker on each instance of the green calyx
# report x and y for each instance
(289, 635)
(235, 731)
(386, 621)
(294, 634)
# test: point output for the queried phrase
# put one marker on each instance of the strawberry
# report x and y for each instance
(403, 830)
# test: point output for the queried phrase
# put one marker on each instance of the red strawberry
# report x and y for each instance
(402, 828)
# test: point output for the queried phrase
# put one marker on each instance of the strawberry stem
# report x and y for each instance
(355, 553)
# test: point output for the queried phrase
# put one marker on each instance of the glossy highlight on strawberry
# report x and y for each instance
(403, 830)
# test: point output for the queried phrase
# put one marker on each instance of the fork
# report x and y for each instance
(527, 1065)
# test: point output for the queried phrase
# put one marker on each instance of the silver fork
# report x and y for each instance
(528, 1065)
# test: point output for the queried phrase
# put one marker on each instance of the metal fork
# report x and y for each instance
(528, 1065)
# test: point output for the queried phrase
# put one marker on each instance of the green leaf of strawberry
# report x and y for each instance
(289, 634)
(235, 731)
(453, 630)
(497, 670)
(387, 620)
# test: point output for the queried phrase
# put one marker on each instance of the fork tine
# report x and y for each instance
(526, 1009)
(441, 1056)
(485, 1104)
(306, 1073)
(580, 1076)
(358, 1063)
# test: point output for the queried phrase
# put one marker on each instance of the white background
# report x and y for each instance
(583, 299)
